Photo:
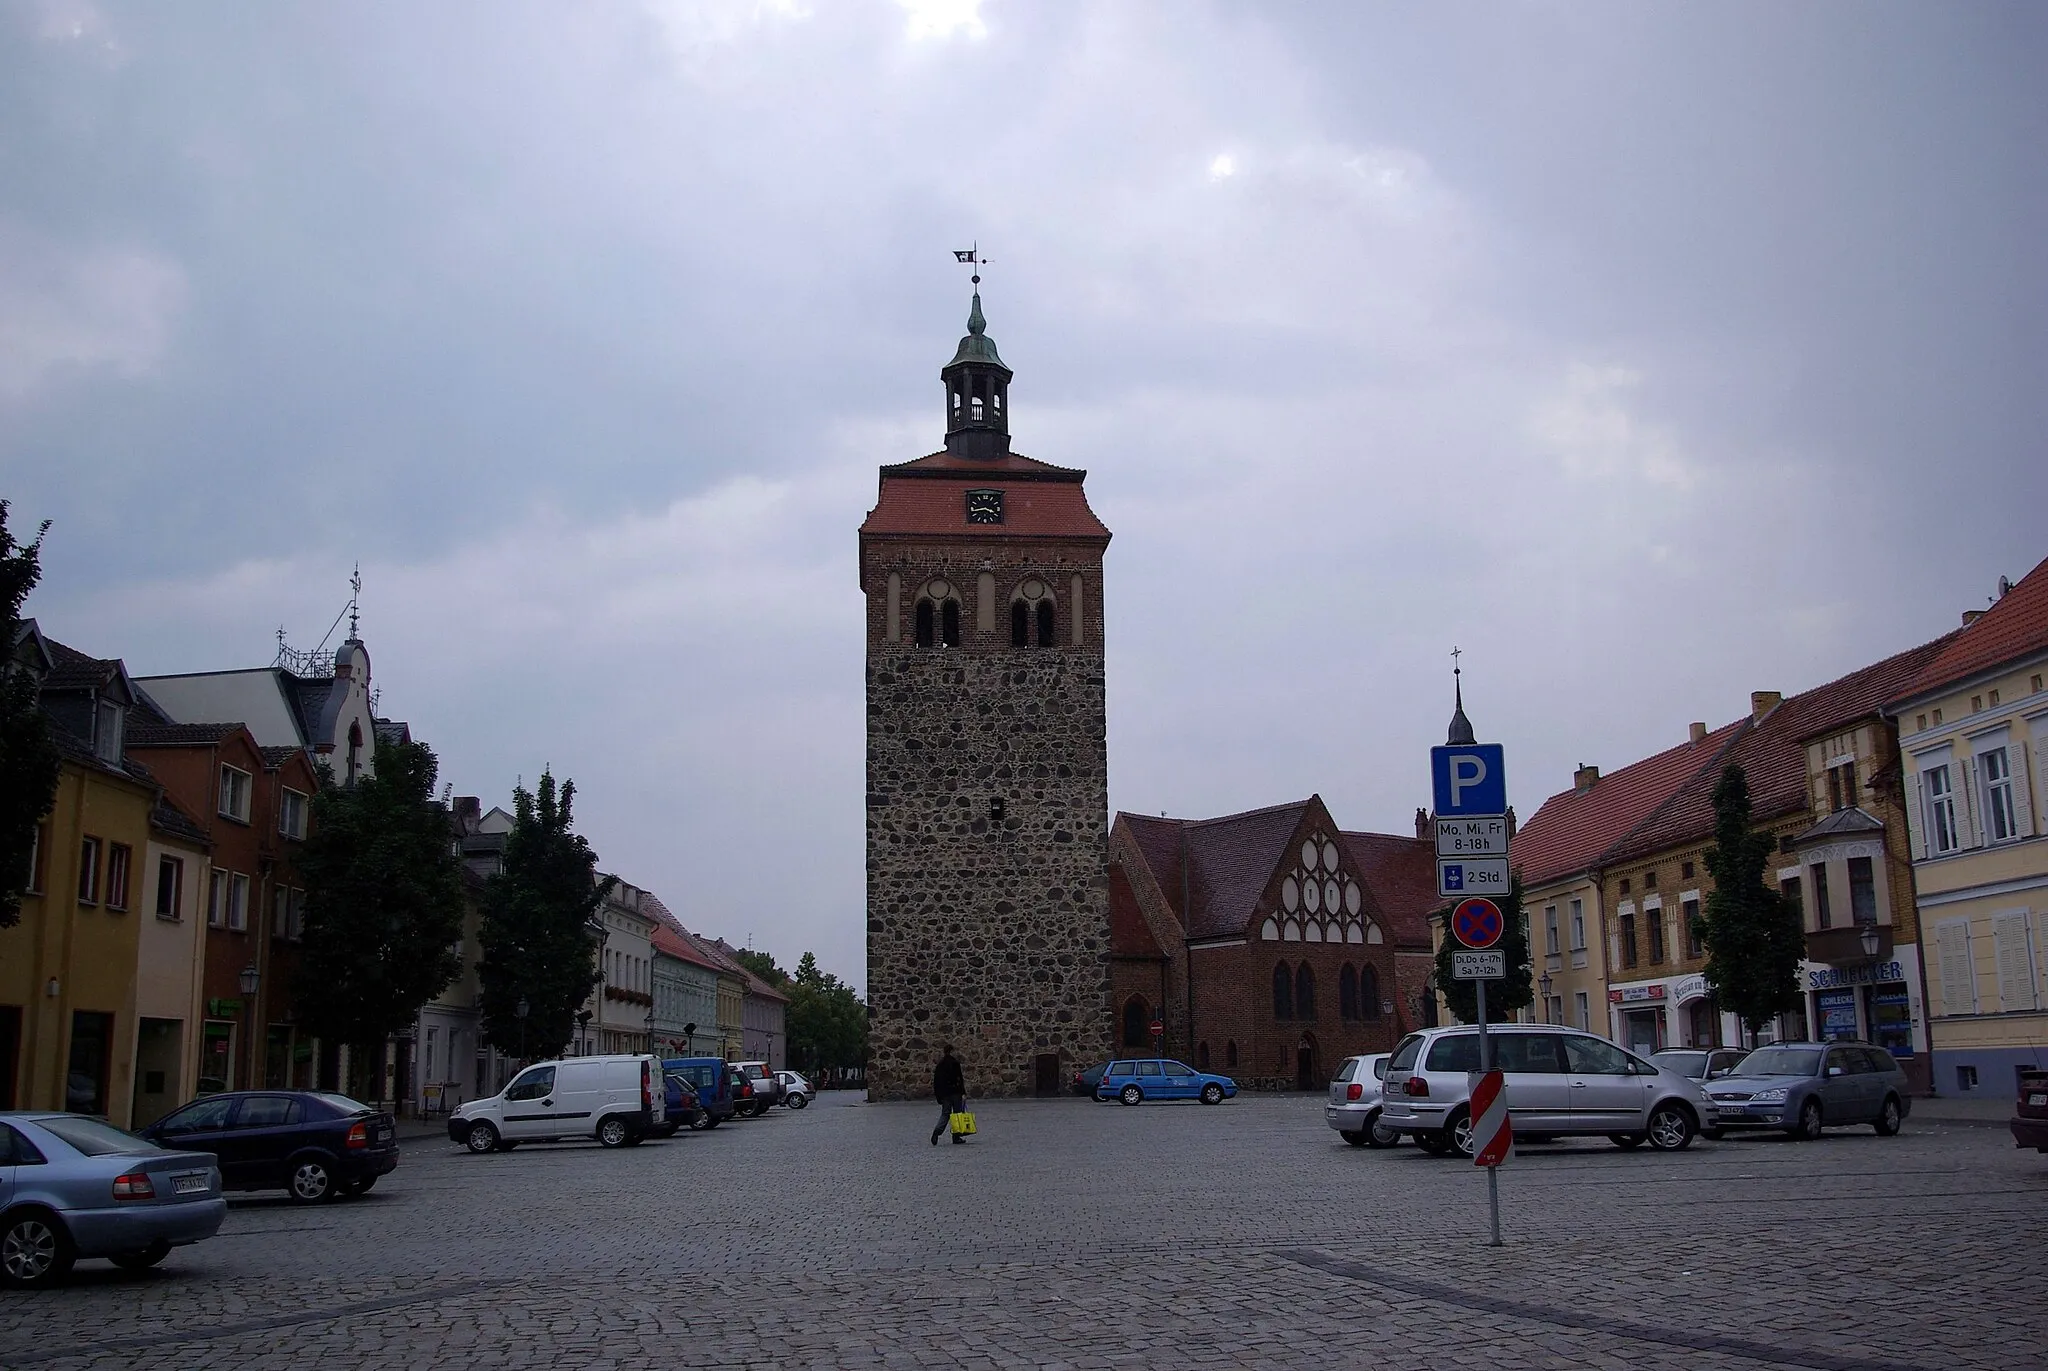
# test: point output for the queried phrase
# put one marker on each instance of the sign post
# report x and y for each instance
(1472, 841)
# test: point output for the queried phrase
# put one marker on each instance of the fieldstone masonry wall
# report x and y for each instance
(987, 817)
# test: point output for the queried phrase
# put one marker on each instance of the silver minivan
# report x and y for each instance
(1560, 1081)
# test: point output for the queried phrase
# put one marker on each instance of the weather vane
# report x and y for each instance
(972, 257)
(355, 595)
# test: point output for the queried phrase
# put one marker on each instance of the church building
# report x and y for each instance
(987, 763)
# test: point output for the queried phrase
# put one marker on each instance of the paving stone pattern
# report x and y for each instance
(1070, 1234)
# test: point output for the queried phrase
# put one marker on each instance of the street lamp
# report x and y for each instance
(1870, 941)
(250, 976)
(582, 1032)
(1543, 984)
(519, 1012)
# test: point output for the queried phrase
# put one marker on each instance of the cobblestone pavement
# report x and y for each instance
(1078, 1235)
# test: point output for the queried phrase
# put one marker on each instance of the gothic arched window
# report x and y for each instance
(927, 624)
(1283, 992)
(1202, 1056)
(355, 752)
(1020, 624)
(1304, 993)
(949, 623)
(1137, 1023)
(1045, 638)
(1347, 992)
(1230, 1053)
(1369, 993)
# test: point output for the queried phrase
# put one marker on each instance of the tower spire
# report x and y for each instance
(1461, 727)
(977, 382)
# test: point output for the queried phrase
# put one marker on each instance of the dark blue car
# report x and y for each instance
(709, 1079)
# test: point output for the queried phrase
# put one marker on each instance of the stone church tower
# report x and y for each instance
(987, 785)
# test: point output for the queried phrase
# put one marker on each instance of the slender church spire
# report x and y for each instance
(1461, 727)
(977, 385)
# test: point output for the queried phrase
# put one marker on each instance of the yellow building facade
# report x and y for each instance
(1974, 738)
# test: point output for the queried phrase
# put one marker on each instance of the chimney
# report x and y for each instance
(1698, 731)
(1971, 616)
(1584, 777)
(469, 811)
(1762, 702)
(1424, 829)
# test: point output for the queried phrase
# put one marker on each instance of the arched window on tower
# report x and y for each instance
(1045, 638)
(1368, 994)
(1020, 624)
(949, 623)
(1230, 1053)
(956, 404)
(1347, 992)
(1283, 992)
(1304, 993)
(1137, 1022)
(927, 624)
(974, 409)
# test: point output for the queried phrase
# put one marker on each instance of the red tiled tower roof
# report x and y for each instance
(926, 498)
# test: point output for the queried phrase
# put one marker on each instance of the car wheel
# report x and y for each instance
(1810, 1122)
(1212, 1093)
(613, 1132)
(1626, 1141)
(1379, 1135)
(312, 1181)
(1888, 1118)
(1460, 1135)
(712, 1121)
(798, 1101)
(34, 1250)
(1131, 1095)
(482, 1138)
(701, 1122)
(1670, 1128)
(143, 1260)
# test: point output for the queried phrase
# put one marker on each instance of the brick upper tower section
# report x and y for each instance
(987, 764)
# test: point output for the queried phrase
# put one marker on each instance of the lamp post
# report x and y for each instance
(1870, 940)
(582, 1032)
(1543, 984)
(249, 979)
(519, 1011)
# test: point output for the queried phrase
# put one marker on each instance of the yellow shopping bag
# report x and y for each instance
(963, 1123)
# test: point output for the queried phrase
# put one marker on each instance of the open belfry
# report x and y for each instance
(987, 765)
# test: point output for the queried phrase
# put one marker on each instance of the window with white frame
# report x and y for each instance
(234, 794)
(89, 871)
(1578, 926)
(1550, 929)
(1585, 1010)
(170, 883)
(238, 901)
(106, 735)
(291, 814)
(2000, 821)
(119, 858)
(1940, 791)
(217, 900)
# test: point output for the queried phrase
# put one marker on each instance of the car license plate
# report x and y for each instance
(2037, 1101)
(188, 1185)
(383, 1135)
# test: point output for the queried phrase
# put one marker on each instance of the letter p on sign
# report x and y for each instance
(1469, 780)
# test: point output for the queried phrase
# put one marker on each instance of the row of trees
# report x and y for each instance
(1753, 934)
(385, 904)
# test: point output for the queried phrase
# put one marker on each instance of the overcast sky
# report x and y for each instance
(1650, 354)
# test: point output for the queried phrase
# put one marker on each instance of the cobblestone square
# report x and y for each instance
(1078, 1235)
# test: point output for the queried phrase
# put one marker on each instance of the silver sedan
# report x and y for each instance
(74, 1186)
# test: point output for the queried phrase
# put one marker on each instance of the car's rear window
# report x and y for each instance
(93, 1138)
(1404, 1056)
(1455, 1052)
(1346, 1071)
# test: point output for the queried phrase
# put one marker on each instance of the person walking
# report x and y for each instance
(949, 1085)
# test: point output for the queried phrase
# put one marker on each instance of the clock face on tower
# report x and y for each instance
(984, 506)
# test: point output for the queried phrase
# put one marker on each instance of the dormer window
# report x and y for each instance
(234, 794)
(106, 734)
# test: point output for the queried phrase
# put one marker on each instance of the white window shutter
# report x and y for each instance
(2022, 792)
(1958, 977)
(1966, 801)
(2015, 960)
(1917, 820)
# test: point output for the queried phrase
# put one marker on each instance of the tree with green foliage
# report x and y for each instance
(384, 902)
(762, 964)
(1753, 934)
(827, 1022)
(29, 764)
(1503, 997)
(539, 934)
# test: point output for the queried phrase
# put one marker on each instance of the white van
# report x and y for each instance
(616, 1100)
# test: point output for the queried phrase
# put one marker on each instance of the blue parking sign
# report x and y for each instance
(1469, 779)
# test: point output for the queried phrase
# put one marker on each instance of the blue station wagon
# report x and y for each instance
(1137, 1080)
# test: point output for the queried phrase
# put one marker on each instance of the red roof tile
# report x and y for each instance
(2017, 626)
(1772, 752)
(1158, 843)
(1401, 874)
(926, 498)
(1129, 934)
(1229, 862)
(1573, 828)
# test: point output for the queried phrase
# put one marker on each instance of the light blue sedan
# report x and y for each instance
(74, 1186)
(1138, 1079)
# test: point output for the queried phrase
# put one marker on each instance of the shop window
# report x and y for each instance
(92, 1047)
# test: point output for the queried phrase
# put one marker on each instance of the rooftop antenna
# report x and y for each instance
(355, 595)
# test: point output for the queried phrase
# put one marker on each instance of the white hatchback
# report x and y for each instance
(1354, 1105)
